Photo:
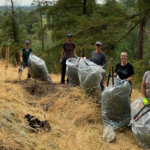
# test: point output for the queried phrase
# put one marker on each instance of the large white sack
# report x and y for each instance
(72, 71)
(90, 75)
(115, 105)
(141, 127)
(37, 68)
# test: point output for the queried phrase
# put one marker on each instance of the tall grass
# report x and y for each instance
(7, 55)
(1, 51)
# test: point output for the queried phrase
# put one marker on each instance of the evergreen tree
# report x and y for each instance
(12, 28)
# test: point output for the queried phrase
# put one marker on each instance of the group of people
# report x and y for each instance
(123, 69)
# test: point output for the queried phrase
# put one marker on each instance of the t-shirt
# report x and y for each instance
(124, 72)
(26, 54)
(146, 78)
(99, 58)
(68, 49)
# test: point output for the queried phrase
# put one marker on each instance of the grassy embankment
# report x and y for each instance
(75, 119)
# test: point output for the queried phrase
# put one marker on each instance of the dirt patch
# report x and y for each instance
(37, 88)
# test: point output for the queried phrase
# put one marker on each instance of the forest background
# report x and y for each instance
(122, 25)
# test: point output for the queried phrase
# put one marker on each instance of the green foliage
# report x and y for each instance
(113, 23)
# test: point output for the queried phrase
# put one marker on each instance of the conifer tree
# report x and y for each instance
(12, 29)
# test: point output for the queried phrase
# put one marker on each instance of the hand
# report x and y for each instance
(60, 61)
(123, 81)
(76, 56)
(101, 66)
(145, 101)
(22, 64)
(109, 75)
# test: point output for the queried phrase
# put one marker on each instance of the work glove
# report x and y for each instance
(109, 75)
(76, 56)
(123, 81)
(60, 61)
(145, 101)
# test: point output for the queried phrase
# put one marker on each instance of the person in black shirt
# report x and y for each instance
(124, 69)
(67, 52)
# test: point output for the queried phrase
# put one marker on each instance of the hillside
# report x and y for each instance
(25, 8)
(75, 119)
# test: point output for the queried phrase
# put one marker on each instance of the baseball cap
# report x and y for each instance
(26, 42)
(98, 43)
(69, 35)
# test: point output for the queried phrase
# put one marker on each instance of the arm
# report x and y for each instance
(105, 62)
(21, 56)
(115, 74)
(62, 54)
(74, 52)
(130, 78)
(143, 89)
(91, 57)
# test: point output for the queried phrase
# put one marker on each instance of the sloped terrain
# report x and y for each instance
(75, 118)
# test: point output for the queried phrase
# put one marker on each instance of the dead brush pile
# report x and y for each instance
(75, 119)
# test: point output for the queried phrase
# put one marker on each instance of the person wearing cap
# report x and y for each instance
(124, 70)
(145, 87)
(67, 52)
(24, 55)
(99, 58)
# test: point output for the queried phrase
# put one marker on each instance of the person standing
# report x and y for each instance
(124, 70)
(99, 58)
(67, 52)
(145, 87)
(24, 55)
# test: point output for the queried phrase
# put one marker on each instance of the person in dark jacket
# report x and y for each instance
(24, 55)
(99, 58)
(67, 52)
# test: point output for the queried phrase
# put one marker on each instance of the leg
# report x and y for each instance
(19, 74)
(25, 65)
(29, 76)
(102, 82)
(21, 68)
(67, 80)
(63, 71)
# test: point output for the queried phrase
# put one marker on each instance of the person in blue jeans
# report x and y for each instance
(67, 52)
(24, 55)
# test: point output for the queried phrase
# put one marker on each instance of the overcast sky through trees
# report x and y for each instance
(23, 2)
(27, 2)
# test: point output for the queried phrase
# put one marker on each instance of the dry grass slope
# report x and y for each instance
(75, 118)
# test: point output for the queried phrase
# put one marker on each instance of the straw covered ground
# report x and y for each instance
(75, 119)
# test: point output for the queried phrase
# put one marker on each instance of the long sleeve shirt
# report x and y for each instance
(98, 58)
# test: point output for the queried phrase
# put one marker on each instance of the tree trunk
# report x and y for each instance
(141, 39)
(84, 7)
(16, 55)
(42, 32)
(14, 27)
